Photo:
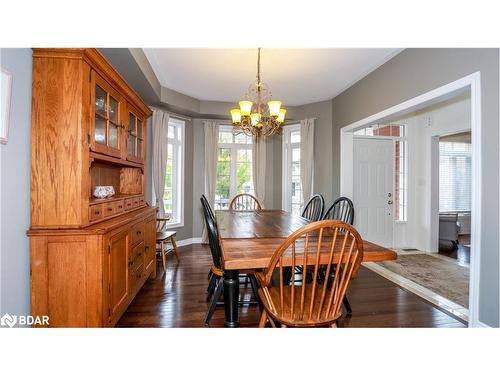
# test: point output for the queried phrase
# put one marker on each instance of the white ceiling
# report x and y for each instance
(295, 76)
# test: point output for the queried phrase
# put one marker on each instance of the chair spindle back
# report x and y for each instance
(342, 209)
(245, 202)
(213, 232)
(317, 300)
(313, 210)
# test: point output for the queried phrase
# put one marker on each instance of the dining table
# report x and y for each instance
(249, 240)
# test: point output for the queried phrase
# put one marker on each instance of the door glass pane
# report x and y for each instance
(139, 128)
(244, 181)
(100, 101)
(113, 110)
(295, 137)
(222, 187)
(225, 137)
(100, 130)
(131, 145)
(113, 135)
(241, 138)
(139, 147)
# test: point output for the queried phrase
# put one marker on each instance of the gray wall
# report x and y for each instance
(414, 72)
(15, 188)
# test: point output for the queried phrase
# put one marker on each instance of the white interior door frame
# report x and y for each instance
(472, 82)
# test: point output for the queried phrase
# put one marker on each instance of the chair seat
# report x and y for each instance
(298, 319)
(164, 235)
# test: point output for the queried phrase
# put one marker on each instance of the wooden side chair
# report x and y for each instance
(245, 202)
(342, 209)
(317, 301)
(215, 287)
(164, 236)
(313, 210)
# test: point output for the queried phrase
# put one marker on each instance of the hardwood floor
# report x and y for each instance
(177, 299)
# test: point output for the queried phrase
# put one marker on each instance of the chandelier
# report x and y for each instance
(258, 114)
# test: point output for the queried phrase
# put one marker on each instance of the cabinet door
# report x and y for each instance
(106, 122)
(118, 264)
(150, 246)
(136, 136)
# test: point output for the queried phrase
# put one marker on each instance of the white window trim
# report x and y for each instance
(286, 181)
(234, 147)
(181, 124)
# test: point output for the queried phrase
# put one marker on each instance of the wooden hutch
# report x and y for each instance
(89, 257)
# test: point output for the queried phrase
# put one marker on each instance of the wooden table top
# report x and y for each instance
(258, 224)
(250, 238)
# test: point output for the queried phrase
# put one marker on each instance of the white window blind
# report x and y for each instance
(455, 174)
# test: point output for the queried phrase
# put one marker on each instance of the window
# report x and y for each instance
(401, 180)
(234, 166)
(292, 187)
(174, 178)
(398, 133)
(455, 176)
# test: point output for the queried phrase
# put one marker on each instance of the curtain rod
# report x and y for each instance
(173, 114)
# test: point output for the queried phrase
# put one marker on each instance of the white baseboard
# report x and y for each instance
(189, 241)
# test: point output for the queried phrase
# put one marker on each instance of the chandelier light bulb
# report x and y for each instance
(245, 107)
(274, 107)
(255, 118)
(281, 116)
(235, 116)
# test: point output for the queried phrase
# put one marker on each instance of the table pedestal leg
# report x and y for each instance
(231, 295)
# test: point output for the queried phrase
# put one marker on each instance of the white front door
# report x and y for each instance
(373, 189)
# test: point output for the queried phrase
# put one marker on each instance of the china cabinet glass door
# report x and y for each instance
(135, 138)
(106, 137)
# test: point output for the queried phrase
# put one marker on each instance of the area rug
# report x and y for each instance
(443, 277)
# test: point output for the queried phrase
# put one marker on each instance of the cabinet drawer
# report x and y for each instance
(137, 233)
(119, 206)
(128, 203)
(108, 208)
(135, 202)
(136, 257)
(142, 201)
(135, 276)
(96, 212)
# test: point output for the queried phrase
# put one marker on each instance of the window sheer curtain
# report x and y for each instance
(211, 154)
(160, 154)
(307, 157)
(259, 168)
